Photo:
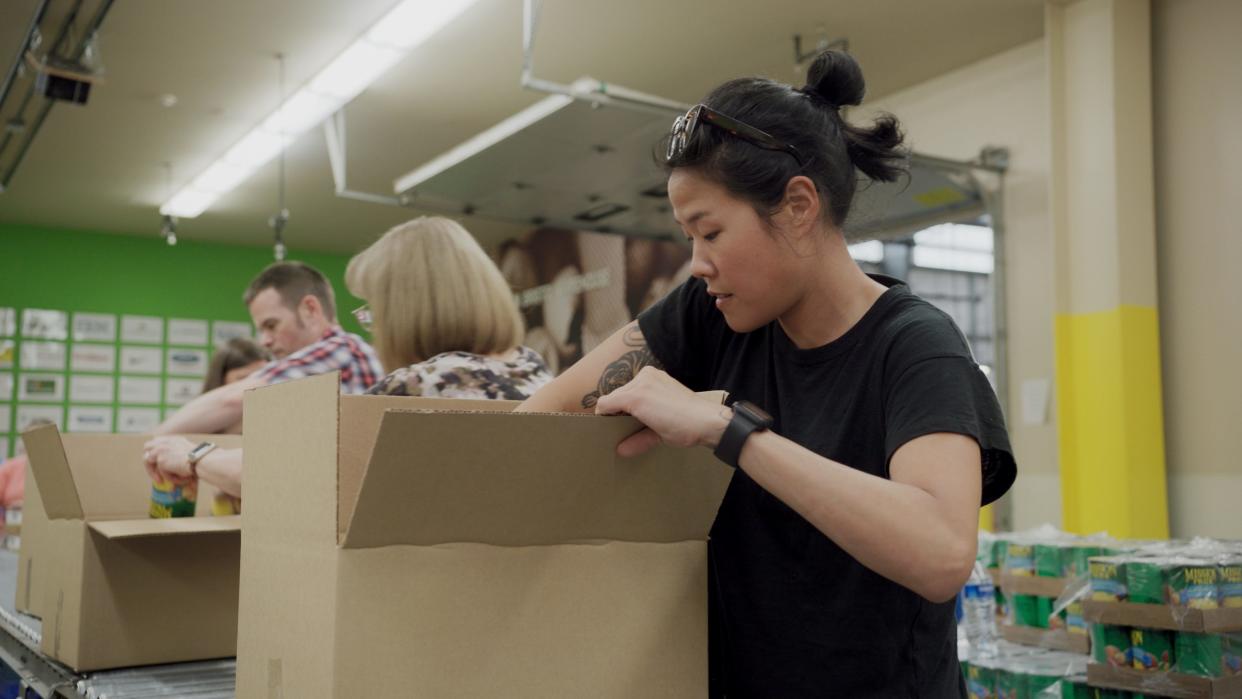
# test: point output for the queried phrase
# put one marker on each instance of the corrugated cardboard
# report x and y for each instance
(1163, 616)
(1032, 585)
(1054, 639)
(113, 587)
(34, 524)
(34, 520)
(1173, 684)
(422, 547)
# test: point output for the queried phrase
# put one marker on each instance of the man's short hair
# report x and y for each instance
(294, 281)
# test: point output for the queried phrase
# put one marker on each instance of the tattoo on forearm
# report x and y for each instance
(625, 368)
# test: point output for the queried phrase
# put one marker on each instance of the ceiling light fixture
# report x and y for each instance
(280, 219)
(168, 223)
(168, 229)
(407, 25)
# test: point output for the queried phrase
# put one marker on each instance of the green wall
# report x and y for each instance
(136, 275)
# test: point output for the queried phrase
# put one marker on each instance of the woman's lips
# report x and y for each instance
(721, 299)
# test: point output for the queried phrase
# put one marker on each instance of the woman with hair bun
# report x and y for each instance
(864, 434)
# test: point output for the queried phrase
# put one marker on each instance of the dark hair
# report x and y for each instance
(234, 354)
(810, 120)
(293, 281)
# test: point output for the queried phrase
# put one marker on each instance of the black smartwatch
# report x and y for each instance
(747, 418)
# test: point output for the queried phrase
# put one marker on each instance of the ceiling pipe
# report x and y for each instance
(598, 93)
(76, 54)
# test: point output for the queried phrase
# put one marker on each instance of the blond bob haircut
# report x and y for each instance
(432, 289)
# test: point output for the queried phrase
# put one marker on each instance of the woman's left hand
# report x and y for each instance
(168, 458)
(672, 413)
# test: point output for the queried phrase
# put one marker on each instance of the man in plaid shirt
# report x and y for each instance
(294, 311)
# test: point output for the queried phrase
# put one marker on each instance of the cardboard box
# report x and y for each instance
(1163, 616)
(1165, 684)
(34, 524)
(1032, 585)
(79, 447)
(398, 552)
(1058, 639)
(113, 587)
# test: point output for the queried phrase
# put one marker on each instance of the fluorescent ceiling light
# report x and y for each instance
(256, 148)
(220, 177)
(411, 22)
(531, 115)
(300, 112)
(354, 69)
(408, 24)
(188, 203)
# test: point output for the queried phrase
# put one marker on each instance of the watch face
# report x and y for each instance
(753, 413)
(201, 450)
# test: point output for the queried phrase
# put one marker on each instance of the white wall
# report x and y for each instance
(1003, 101)
(1197, 96)
(1197, 61)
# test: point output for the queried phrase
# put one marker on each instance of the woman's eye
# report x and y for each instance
(711, 236)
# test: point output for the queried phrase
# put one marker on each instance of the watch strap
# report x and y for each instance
(196, 454)
(740, 427)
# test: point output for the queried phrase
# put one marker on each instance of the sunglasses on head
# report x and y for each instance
(684, 126)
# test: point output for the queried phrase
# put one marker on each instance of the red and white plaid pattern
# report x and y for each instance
(337, 350)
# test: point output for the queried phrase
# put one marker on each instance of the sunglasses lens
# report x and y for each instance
(677, 138)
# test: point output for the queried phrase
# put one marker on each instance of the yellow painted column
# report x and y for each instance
(1108, 391)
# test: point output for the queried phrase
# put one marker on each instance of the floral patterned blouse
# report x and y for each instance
(467, 375)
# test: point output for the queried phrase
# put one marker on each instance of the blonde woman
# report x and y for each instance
(438, 307)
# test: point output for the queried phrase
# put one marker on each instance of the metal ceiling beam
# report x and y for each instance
(35, 18)
(74, 54)
(598, 93)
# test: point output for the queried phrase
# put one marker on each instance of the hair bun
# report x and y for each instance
(836, 78)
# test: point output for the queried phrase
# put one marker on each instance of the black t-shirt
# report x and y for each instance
(792, 614)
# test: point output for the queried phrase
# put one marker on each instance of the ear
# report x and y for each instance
(802, 204)
(309, 307)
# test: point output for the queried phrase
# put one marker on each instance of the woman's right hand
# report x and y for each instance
(168, 459)
(672, 413)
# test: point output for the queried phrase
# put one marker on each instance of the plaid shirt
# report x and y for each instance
(337, 350)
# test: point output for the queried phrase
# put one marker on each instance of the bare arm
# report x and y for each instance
(614, 363)
(223, 469)
(214, 411)
(917, 528)
(167, 458)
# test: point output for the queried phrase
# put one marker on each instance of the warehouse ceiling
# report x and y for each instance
(100, 167)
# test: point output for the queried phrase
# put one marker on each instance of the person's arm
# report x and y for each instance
(609, 366)
(10, 471)
(917, 529)
(223, 469)
(167, 458)
(214, 411)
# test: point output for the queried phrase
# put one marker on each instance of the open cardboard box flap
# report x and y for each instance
(98, 477)
(135, 528)
(109, 581)
(55, 480)
(445, 548)
(527, 480)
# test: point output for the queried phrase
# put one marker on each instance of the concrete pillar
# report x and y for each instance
(1109, 408)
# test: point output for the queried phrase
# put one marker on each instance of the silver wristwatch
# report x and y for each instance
(197, 453)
